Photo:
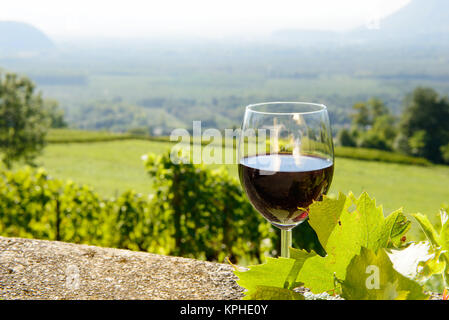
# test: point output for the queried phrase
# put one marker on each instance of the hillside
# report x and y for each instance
(22, 38)
(419, 20)
(419, 17)
(418, 23)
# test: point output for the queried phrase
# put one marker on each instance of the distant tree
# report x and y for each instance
(401, 144)
(366, 113)
(23, 119)
(417, 143)
(385, 127)
(361, 118)
(346, 139)
(55, 113)
(377, 108)
(372, 140)
(425, 122)
(372, 126)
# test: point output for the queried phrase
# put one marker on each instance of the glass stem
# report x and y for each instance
(286, 242)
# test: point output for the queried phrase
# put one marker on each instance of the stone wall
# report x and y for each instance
(40, 269)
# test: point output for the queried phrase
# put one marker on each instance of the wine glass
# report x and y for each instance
(286, 161)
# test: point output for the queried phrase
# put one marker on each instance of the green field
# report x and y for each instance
(115, 166)
(110, 167)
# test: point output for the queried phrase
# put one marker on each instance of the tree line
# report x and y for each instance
(421, 130)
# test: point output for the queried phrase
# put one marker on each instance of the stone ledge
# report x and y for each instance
(40, 269)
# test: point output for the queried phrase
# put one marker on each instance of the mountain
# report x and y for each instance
(419, 17)
(17, 38)
(419, 22)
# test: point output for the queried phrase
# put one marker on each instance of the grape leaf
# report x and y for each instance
(343, 226)
(436, 264)
(443, 238)
(361, 224)
(439, 263)
(368, 223)
(300, 257)
(324, 216)
(427, 228)
(271, 274)
(397, 225)
(371, 276)
(304, 237)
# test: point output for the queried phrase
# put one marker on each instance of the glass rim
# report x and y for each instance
(319, 107)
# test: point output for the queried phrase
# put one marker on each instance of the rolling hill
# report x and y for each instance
(420, 21)
(17, 38)
(419, 17)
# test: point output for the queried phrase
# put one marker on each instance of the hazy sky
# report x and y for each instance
(119, 18)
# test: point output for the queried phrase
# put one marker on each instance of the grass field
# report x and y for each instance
(110, 167)
(115, 166)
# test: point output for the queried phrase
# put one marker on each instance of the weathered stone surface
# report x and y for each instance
(39, 269)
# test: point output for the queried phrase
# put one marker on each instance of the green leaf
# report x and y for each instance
(279, 273)
(396, 226)
(353, 224)
(324, 216)
(273, 273)
(434, 265)
(343, 226)
(300, 258)
(273, 293)
(369, 223)
(371, 276)
(427, 228)
(439, 261)
(361, 224)
(304, 237)
(443, 238)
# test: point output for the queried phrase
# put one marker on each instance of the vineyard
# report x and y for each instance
(194, 212)
(113, 167)
(202, 213)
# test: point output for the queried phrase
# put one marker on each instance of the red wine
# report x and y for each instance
(282, 186)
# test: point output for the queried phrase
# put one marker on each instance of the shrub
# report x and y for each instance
(207, 211)
(195, 213)
(346, 139)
